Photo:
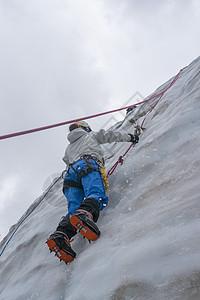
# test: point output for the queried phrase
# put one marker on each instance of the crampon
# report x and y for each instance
(83, 221)
(59, 243)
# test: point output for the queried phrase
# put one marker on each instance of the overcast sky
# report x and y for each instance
(62, 59)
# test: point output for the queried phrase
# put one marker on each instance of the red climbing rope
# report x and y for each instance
(67, 122)
(6, 136)
(160, 95)
(119, 161)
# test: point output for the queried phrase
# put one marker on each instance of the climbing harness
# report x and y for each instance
(101, 169)
(89, 169)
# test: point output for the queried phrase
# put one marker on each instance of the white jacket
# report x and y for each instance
(82, 142)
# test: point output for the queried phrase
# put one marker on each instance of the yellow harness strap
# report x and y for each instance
(105, 180)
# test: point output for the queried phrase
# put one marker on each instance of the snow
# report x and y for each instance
(149, 247)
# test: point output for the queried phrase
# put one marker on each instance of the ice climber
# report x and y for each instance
(83, 186)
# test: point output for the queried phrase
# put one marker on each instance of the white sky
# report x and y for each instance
(62, 59)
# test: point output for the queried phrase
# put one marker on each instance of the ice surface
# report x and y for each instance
(150, 242)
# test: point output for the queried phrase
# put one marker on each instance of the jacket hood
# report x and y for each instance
(76, 134)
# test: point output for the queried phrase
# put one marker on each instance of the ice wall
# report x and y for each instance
(149, 247)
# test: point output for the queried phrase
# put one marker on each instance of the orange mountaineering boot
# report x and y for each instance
(82, 220)
(59, 243)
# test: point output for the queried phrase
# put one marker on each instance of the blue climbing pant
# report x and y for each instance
(91, 185)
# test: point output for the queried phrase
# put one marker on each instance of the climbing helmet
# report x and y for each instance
(83, 125)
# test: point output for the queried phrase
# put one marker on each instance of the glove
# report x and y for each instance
(134, 138)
